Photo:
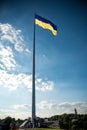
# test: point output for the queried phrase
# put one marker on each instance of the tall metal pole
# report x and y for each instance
(33, 81)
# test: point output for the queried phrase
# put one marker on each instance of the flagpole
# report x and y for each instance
(33, 81)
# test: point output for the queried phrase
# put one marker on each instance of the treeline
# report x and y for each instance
(71, 121)
(8, 120)
(66, 121)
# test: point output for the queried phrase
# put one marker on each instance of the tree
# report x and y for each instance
(75, 112)
(7, 120)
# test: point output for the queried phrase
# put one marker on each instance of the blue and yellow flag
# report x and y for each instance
(46, 24)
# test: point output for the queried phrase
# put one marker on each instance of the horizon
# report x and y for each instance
(44, 117)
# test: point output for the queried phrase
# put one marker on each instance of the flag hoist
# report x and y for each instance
(46, 24)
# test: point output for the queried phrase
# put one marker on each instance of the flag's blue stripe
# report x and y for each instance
(45, 21)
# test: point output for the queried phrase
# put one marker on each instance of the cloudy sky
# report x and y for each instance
(61, 61)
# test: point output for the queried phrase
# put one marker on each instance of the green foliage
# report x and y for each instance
(53, 118)
(74, 127)
(47, 129)
(71, 121)
(7, 120)
(66, 121)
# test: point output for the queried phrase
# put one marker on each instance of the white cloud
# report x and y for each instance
(14, 113)
(65, 107)
(27, 51)
(10, 34)
(45, 105)
(7, 60)
(69, 107)
(14, 81)
(44, 85)
(44, 109)
(21, 106)
(10, 39)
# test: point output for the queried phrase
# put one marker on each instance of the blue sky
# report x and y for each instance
(61, 73)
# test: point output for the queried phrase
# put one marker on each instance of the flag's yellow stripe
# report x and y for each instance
(46, 26)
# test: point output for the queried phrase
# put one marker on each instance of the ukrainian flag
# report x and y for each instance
(46, 24)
